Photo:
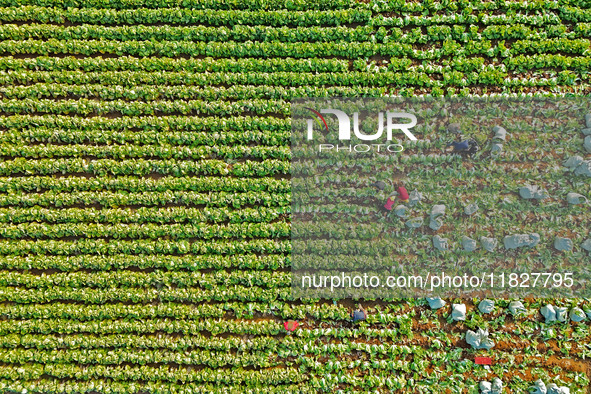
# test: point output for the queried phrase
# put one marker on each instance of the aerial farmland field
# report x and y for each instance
(150, 229)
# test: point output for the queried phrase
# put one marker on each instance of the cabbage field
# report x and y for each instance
(145, 195)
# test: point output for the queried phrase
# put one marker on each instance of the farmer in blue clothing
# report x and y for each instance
(459, 146)
(463, 147)
(359, 314)
(466, 147)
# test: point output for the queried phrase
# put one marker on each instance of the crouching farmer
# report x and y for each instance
(466, 147)
(359, 314)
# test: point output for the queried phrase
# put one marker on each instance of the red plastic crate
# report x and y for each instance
(483, 360)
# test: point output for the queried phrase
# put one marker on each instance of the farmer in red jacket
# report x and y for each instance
(402, 195)
(291, 325)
